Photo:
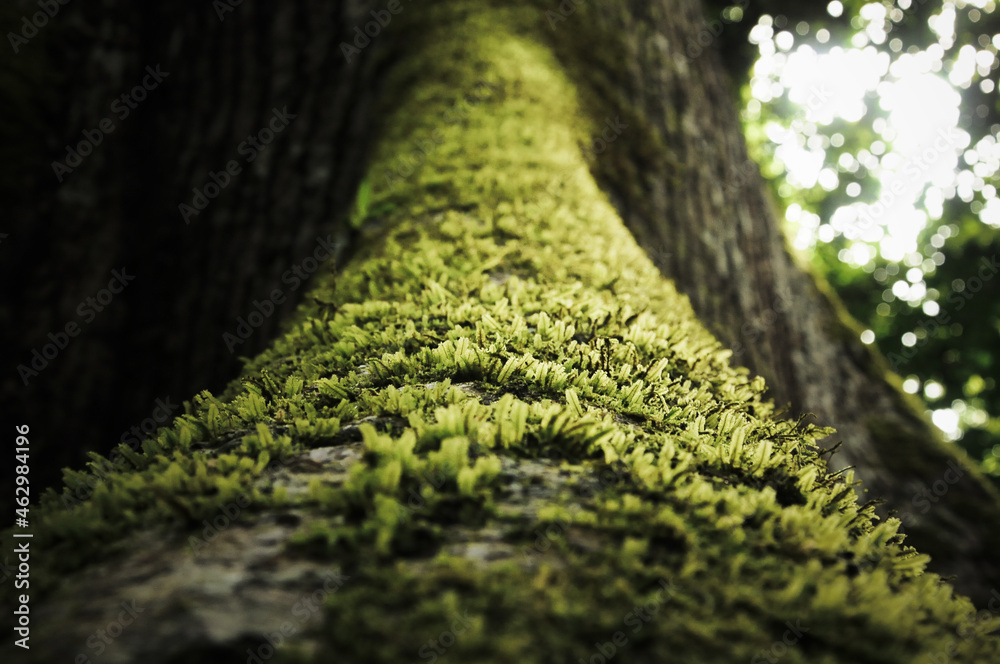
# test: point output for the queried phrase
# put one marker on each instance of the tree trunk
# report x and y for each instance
(686, 188)
(225, 71)
(679, 176)
(497, 435)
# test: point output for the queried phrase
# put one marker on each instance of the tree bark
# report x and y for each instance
(161, 339)
(498, 435)
(681, 178)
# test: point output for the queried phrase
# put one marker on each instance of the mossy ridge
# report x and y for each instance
(590, 358)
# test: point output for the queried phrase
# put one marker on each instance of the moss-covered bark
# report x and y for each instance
(498, 435)
(683, 182)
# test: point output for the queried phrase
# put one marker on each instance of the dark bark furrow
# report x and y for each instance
(162, 338)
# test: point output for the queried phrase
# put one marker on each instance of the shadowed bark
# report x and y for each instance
(225, 71)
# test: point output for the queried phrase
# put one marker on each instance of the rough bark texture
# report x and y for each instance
(679, 175)
(162, 338)
(499, 435)
(682, 180)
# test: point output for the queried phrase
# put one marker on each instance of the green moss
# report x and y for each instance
(551, 440)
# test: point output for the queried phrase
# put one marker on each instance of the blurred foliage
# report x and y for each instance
(920, 277)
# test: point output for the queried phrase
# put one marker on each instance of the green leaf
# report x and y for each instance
(361, 203)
